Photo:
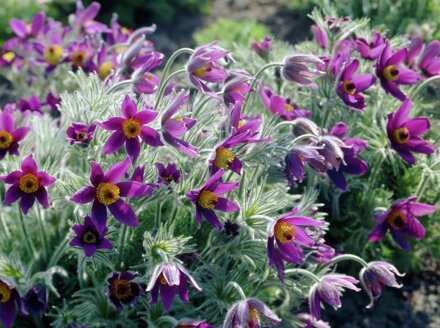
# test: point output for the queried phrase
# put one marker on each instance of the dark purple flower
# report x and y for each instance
(173, 127)
(168, 174)
(35, 300)
(207, 199)
(129, 129)
(401, 220)
(295, 160)
(262, 48)
(247, 313)
(168, 278)
(52, 102)
(391, 74)
(121, 290)
(191, 323)
(371, 50)
(231, 229)
(295, 69)
(329, 290)
(310, 322)
(89, 237)
(9, 136)
(28, 184)
(32, 105)
(320, 36)
(285, 233)
(429, 63)
(236, 86)
(79, 133)
(348, 86)
(403, 133)
(10, 302)
(376, 275)
(106, 192)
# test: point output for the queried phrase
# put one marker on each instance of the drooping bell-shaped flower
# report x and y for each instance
(296, 70)
(247, 313)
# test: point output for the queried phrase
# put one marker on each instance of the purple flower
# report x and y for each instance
(236, 86)
(247, 314)
(349, 85)
(262, 48)
(144, 81)
(376, 275)
(173, 127)
(295, 160)
(207, 199)
(371, 50)
(320, 36)
(28, 184)
(414, 49)
(191, 323)
(391, 75)
(121, 290)
(83, 18)
(323, 253)
(204, 66)
(32, 105)
(429, 63)
(310, 322)
(35, 300)
(295, 70)
(168, 174)
(168, 278)
(401, 220)
(9, 136)
(25, 31)
(52, 102)
(80, 55)
(89, 237)
(106, 192)
(230, 228)
(403, 133)
(79, 133)
(10, 301)
(329, 290)
(285, 233)
(129, 129)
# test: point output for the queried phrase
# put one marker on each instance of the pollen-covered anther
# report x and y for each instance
(177, 118)
(349, 87)
(80, 136)
(105, 69)
(89, 237)
(284, 232)
(79, 57)
(131, 128)
(401, 136)
(162, 280)
(397, 219)
(223, 158)
(53, 54)
(29, 183)
(202, 71)
(207, 199)
(5, 292)
(391, 73)
(107, 193)
(168, 179)
(254, 315)
(8, 56)
(288, 107)
(6, 139)
(120, 289)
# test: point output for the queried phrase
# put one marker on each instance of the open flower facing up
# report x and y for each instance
(89, 237)
(10, 302)
(204, 66)
(401, 220)
(106, 192)
(168, 174)
(9, 135)
(391, 74)
(262, 48)
(286, 234)
(247, 314)
(207, 199)
(376, 275)
(28, 184)
(371, 50)
(35, 300)
(129, 129)
(168, 278)
(329, 290)
(190, 323)
(295, 160)
(429, 63)
(403, 133)
(25, 31)
(122, 290)
(295, 69)
(79, 133)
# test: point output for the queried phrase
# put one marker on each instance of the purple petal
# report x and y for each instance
(407, 76)
(96, 175)
(167, 293)
(399, 237)
(226, 205)
(213, 179)
(45, 179)
(145, 116)
(397, 58)
(20, 133)
(129, 108)
(183, 289)
(28, 165)
(99, 215)
(418, 126)
(115, 142)
(42, 197)
(132, 189)
(7, 313)
(414, 228)
(133, 147)
(223, 187)
(7, 121)
(19, 27)
(212, 218)
(113, 123)
(84, 195)
(363, 81)
(13, 193)
(124, 213)
(118, 170)
(150, 137)
(27, 201)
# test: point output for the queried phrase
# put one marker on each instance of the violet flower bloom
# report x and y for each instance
(286, 234)
(349, 85)
(320, 36)
(310, 322)
(391, 75)
(9, 135)
(284, 107)
(207, 199)
(173, 127)
(10, 302)
(24, 31)
(32, 105)
(35, 300)
(79, 54)
(89, 237)
(323, 253)
(168, 278)
(329, 290)
(236, 86)
(204, 66)
(295, 160)
(106, 192)
(52, 102)
(295, 69)
(401, 220)
(403, 133)
(429, 63)
(144, 81)
(191, 323)
(371, 50)
(414, 49)
(121, 290)
(79, 133)
(247, 314)
(83, 18)
(28, 184)
(129, 129)
(262, 48)
(376, 275)
(167, 174)
(231, 229)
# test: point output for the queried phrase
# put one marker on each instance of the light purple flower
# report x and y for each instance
(295, 69)
(25, 31)
(414, 48)
(262, 48)
(320, 36)
(296, 159)
(83, 18)
(79, 133)
(9, 135)
(122, 290)
(247, 313)
(429, 62)
(371, 50)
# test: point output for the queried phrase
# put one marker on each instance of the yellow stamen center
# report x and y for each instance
(241, 123)
(131, 127)
(168, 179)
(237, 89)
(29, 183)
(125, 30)
(80, 136)
(254, 315)
(8, 56)
(105, 69)
(397, 219)
(162, 279)
(79, 57)
(177, 118)
(207, 199)
(390, 73)
(53, 54)
(349, 87)
(223, 158)
(6, 139)
(107, 193)
(400, 136)
(5, 292)
(120, 49)
(284, 232)
(89, 237)
(202, 71)
(121, 289)
(288, 107)
(148, 77)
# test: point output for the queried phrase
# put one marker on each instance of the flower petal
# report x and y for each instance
(124, 213)
(118, 170)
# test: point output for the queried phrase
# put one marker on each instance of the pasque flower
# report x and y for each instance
(236, 86)
(262, 48)
(106, 192)
(191, 323)
(320, 36)
(295, 160)
(168, 174)
(9, 135)
(401, 220)
(371, 50)
(295, 69)
(129, 129)
(403, 133)
(83, 18)
(10, 302)
(122, 290)
(429, 63)
(247, 313)
(35, 300)
(168, 278)
(79, 133)
(28, 184)
(25, 31)
(207, 199)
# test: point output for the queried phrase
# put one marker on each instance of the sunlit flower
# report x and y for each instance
(371, 50)
(262, 48)
(310, 322)
(320, 36)
(247, 314)
(79, 133)
(295, 69)
(122, 290)
(190, 323)
(296, 159)
(236, 86)
(83, 18)
(9, 135)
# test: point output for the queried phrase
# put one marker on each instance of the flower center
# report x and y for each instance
(89, 237)
(80, 136)
(105, 69)
(8, 56)
(223, 158)
(401, 135)
(162, 280)
(29, 183)
(288, 107)
(207, 199)
(284, 232)
(254, 315)
(397, 219)
(132, 128)
(390, 73)
(107, 193)
(241, 123)
(5, 292)
(349, 87)
(202, 71)
(168, 179)
(121, 289)
(6, 139)
(177, 118)
(78, 57)
(53, 54)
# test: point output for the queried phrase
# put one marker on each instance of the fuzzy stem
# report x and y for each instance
(59, 251)
(421, 186)
(304, 273)
(121, 243)
(29, 244)
(345, 257)
(238, 288)
(423, 84)
(305, 136)
(43, 233)
(118, 85)
(162, 254)
(163, 86)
